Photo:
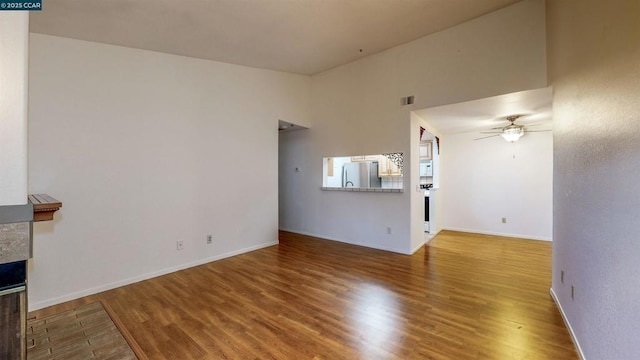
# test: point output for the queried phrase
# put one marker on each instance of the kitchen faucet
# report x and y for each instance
(347, 183)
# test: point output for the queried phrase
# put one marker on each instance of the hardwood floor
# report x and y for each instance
(463, 296)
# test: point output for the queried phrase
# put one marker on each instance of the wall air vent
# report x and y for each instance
(407, 100)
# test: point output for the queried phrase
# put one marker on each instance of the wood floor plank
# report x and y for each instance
(462, 296)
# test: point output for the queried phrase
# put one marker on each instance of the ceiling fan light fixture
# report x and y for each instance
(513, 134)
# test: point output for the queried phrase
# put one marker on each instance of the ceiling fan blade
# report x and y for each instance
(535, 124)
(498, 128)
(537, 130)
(490, 132)
(486, 137)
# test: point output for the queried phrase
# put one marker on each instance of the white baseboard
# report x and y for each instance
(116, 284)
(346, 242)
(413, 251)
(432, 235)
(425, 242)
(566, 322)
(519, 236)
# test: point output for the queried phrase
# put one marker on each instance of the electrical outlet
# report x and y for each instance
(562, 276)
(179, 245)
(504, 220)
(572, 292)
(209, 239)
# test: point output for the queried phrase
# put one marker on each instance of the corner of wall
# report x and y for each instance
(567, 323)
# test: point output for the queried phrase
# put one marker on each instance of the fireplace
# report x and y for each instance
(13, 304)
(15, 249)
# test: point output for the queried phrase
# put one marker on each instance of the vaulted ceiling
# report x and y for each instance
(298, 36)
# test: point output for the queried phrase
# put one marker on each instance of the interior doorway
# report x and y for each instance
(291, 171)
(429, 180)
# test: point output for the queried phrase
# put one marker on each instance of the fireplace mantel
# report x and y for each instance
(44, 206)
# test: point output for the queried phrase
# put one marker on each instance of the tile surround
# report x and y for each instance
(15, 240)
(395, 182)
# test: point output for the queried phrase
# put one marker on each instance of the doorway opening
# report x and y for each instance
(429, 179)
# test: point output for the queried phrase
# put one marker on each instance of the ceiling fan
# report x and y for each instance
(511, 132)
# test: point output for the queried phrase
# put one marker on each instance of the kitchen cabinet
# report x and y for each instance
(365, 158)
(330, 166)
(386, 167)
(426, 150)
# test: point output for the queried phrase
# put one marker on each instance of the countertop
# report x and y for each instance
(351, 189)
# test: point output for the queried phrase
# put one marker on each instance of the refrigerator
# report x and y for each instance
(361, 175)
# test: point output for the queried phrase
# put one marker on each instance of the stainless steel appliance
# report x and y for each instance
(361, 175)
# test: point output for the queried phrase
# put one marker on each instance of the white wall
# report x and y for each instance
(14, 48)
(145, 149)
(594, 63)
(356, 110)
(484, 183)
